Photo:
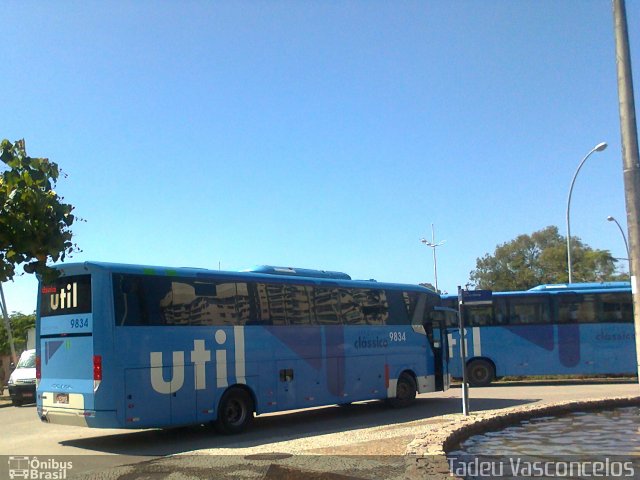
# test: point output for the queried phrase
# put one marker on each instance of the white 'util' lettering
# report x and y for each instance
(199, 357)
(67, 298)
(158, 382)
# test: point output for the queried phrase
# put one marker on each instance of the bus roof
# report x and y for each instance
(299, 272)
(263, 273)
(559, 288)
(582, 286)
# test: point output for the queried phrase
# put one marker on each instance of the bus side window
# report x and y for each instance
(501, 313)
(350, 310)
(577, 309)
(397, 313)
(243, 304)
(298, 305)
(479, 315)
(275, 293)
(124, 288)
(375, 307)
(616, 308)
(529, 311)
(130, 302)
(326, 305)
(416, 304)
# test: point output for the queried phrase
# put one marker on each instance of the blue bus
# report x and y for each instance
(563, 329)
(124, 346)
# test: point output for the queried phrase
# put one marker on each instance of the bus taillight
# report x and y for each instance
(97, 372)
(38, 369)
(97, 367)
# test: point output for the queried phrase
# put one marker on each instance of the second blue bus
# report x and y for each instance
(564, 329)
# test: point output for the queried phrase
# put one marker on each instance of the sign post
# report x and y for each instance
(463, 353)
(466, 297)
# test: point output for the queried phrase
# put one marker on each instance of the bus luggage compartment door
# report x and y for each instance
(159, 402)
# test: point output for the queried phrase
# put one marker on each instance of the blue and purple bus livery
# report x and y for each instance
(561, 329)
(124, 346)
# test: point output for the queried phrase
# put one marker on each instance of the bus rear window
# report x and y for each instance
(66, 296)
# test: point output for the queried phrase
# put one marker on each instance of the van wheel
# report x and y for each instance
(405, 392)
(235, 412)
(481, 373)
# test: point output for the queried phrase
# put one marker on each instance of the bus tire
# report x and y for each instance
(235, 412)
(405, 391)
(481, 373)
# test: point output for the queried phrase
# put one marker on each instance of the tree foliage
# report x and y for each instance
(20, 325)
(430, 287)
(34, 221)
(540, 258)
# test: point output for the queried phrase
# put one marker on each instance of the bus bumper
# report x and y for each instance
(78, 418)
(73, 412)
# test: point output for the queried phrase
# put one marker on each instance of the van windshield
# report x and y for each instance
(27, 361)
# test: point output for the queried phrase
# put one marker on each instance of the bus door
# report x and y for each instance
(437, 333)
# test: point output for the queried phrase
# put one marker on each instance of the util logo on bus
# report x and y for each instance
(67, 298)
(199, 357)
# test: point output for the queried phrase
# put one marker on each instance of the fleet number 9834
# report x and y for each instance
(398, 336)
(79, 323)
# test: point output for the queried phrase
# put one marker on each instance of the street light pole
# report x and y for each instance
(433, 245)
(630, 154)
(598, 148)
(624, 237)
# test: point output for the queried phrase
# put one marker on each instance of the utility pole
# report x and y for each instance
(631, 169)
(463, 352)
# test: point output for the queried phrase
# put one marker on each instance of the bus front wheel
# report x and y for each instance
(235, 412)
(405, 391)
(481, 373)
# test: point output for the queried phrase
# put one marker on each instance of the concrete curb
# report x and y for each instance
(430, 447)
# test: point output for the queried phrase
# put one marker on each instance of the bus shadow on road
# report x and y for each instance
(283, 427)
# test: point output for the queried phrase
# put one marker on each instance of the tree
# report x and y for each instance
(34, 221)
(20, 325)
(540, 258)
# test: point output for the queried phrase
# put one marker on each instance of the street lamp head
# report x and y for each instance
(431, 244)
(600, 147)
(611, 219)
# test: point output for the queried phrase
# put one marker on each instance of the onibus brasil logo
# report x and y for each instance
(37, 469)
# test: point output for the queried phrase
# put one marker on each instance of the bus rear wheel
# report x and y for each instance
(481, 373)
(405, 391)
(235, 412)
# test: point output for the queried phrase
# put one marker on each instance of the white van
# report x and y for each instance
(22, 382)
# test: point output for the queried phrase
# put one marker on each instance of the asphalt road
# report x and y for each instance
(368, 428)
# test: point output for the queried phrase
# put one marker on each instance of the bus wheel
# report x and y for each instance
(405, 391)
(481, 373)
(235, 412)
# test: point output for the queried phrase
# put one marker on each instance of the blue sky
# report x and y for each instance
(325, 135)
